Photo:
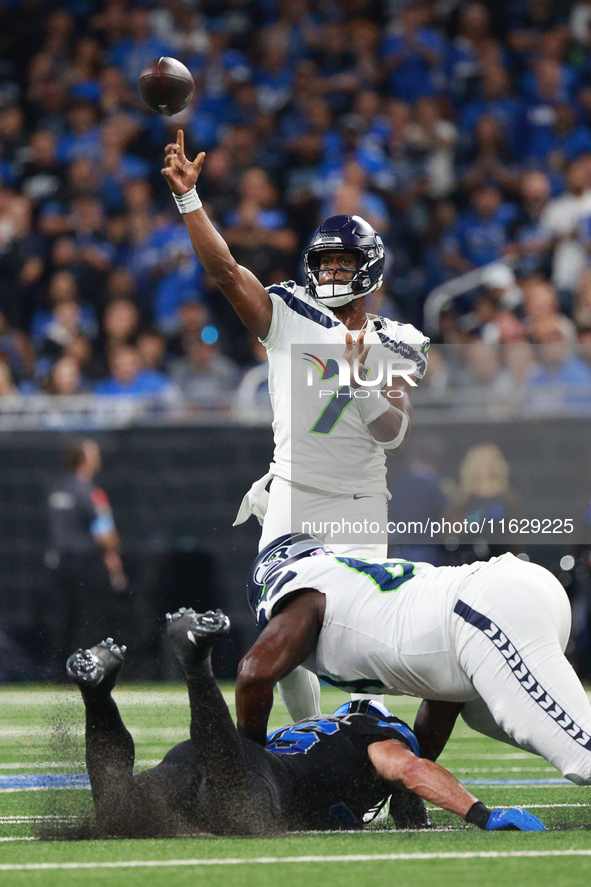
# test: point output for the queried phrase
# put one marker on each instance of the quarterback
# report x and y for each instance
(329, 458)
(484, 639)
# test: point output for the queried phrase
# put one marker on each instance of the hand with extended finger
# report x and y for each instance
(355, 354)
(180, 173)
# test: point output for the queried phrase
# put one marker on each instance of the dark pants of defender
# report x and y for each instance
(207, 789)
(80, 605)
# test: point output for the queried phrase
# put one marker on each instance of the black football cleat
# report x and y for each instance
(194, 634)
(89, 668)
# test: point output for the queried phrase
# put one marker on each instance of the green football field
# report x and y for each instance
(41, 733)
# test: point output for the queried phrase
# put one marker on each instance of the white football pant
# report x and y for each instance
(300, 691)
(511, 625)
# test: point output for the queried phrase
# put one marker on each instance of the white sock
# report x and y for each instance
(300, 693)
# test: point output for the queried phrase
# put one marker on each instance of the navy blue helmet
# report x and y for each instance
(345, 234)
(261, 588)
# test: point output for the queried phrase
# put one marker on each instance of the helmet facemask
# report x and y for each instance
(340, 291)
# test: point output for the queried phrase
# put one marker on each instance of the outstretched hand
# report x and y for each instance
(356, 351)
(180, 173)
(514, 819)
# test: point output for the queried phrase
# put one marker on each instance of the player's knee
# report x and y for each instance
(578, 770)
(580, 776)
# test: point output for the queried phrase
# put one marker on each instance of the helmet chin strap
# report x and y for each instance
(334, 295)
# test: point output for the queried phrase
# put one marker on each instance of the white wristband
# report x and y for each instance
(372, 407)
(393, 444)
(188, 202)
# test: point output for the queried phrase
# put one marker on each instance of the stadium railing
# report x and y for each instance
(442, 296)
(432, 406)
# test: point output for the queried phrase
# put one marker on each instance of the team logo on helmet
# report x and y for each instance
(284, 551)
(270, 563)
(275, 559)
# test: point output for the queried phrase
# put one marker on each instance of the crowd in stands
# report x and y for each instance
(460, 130)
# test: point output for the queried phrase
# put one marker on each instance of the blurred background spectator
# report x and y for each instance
(252, 400)
(204, 377)
(484, 491)
(129, 376)
(461, 131)
(418, 495)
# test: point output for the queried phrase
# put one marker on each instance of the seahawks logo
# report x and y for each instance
(270, 563)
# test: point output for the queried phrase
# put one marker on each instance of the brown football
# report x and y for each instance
(166, 86)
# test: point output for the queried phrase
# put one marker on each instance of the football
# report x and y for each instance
(166, 86)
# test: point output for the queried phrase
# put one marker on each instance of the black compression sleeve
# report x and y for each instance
(242, 734)
(478, 814)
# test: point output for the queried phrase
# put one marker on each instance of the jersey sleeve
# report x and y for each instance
(280, 294)
(408, 343)
(379, 731)
(374, 723)
(102, 522)
(287, 583)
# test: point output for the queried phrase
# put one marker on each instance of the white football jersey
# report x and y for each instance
(320, 439)
(386, 626)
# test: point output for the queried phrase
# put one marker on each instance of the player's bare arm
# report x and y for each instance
(108, 541)
(288, 639)
(110, 545)
(247, 295)
(434, 724)
(394, 425)
(394, 762)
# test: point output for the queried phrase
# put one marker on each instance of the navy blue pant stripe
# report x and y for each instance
(500, 640)
(472, 616)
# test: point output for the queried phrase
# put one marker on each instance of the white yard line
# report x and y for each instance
(496, 784)
(77, 731)
(22, 819)
(131, 698)
(467, 770)
(539, 806)
(42, 765)
(57, 765)
(490, 756)
(284, 860)
(43, 788)
(18, 839)
(152, 762)
(513, 786)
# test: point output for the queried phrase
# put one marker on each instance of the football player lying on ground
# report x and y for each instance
(322, 773)
(486, 639)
